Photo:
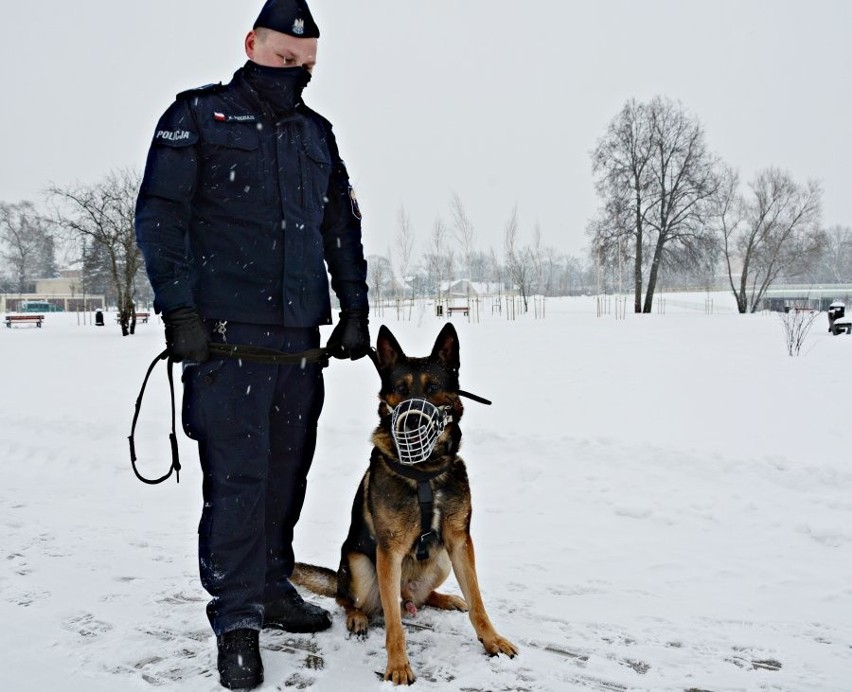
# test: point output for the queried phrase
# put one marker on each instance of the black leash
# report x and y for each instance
(254, 354)
(172, 437)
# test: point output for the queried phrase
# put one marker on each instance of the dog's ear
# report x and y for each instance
(388, 350)
(446, 347)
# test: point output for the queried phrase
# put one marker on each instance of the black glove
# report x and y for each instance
(351, 337)
(186, 337)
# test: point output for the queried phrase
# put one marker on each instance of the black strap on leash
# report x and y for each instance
(172, 436)
(479, 399)
(254, 354)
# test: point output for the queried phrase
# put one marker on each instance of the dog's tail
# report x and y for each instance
(319, 580)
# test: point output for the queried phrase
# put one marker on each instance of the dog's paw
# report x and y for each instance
(358, 624)
(496, 645)
(446, 602)
(456, 603)
(399, 672)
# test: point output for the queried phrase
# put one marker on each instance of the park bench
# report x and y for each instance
(464, 309)
(840, 325)
(24, 319)
(838, 322)
(140, 317)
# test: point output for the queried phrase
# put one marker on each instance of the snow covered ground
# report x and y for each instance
(660, 503)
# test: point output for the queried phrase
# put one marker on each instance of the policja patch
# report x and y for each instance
(173, 135)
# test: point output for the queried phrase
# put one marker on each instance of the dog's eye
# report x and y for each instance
(401, 389)
(433, 388)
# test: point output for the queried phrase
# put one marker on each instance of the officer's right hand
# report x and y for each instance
(186, 337)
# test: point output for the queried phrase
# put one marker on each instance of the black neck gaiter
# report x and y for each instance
(280, 87)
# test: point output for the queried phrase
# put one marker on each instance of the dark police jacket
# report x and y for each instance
(239, 212)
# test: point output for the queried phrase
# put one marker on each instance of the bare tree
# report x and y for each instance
(656, 177)
(835, 262)
(404, 244)
(772, 233)
(28, 245)
(379, 278)
(519, 260)
(440, 258)
(550, 264)
(498, 269)
(537, 257)
(104, 213)
(685, 182)
(464, 235)
(620, 164)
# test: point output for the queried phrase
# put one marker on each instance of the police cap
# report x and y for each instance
(289, 17)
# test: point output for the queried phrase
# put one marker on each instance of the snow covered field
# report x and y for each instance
(660, 503)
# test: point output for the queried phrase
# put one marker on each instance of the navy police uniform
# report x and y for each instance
(241, 209)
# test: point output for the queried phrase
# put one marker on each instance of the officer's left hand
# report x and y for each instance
(351, 337)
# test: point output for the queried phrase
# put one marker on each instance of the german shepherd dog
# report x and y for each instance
(410, 523)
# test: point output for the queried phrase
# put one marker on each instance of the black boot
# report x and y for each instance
(240, 667)
(292, 614)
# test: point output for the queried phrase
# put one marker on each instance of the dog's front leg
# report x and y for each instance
(389, 571)
(464, 567)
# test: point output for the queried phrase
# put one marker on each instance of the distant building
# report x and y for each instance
(813, 296)
(64, 293)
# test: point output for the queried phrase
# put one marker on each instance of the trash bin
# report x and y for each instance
(439, 310)
(835, 311)
(99, 318)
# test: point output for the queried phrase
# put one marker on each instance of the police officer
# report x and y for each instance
(244, 202)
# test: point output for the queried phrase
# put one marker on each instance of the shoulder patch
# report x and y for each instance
(353, 201)
(176, 127)
(176, 137)
(206, 89)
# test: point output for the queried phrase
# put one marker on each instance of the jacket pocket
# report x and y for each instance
(230, 164)
(315, 164)
(199, 382)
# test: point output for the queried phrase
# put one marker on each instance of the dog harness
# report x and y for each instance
(425, 497)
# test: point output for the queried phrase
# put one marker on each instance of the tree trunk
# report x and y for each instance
(637, 267)
(652, 278)
(742, 295)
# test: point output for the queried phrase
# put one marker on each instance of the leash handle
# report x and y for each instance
(175, 467)
(253, 353)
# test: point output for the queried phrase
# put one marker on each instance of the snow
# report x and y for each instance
(662, 502)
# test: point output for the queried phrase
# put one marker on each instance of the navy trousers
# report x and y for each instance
(256, 427)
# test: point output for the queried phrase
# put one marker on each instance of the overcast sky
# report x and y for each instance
(498, 101)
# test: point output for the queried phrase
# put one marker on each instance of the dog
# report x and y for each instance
(410, 521)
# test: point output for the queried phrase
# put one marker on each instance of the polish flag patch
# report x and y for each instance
(219, 117)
